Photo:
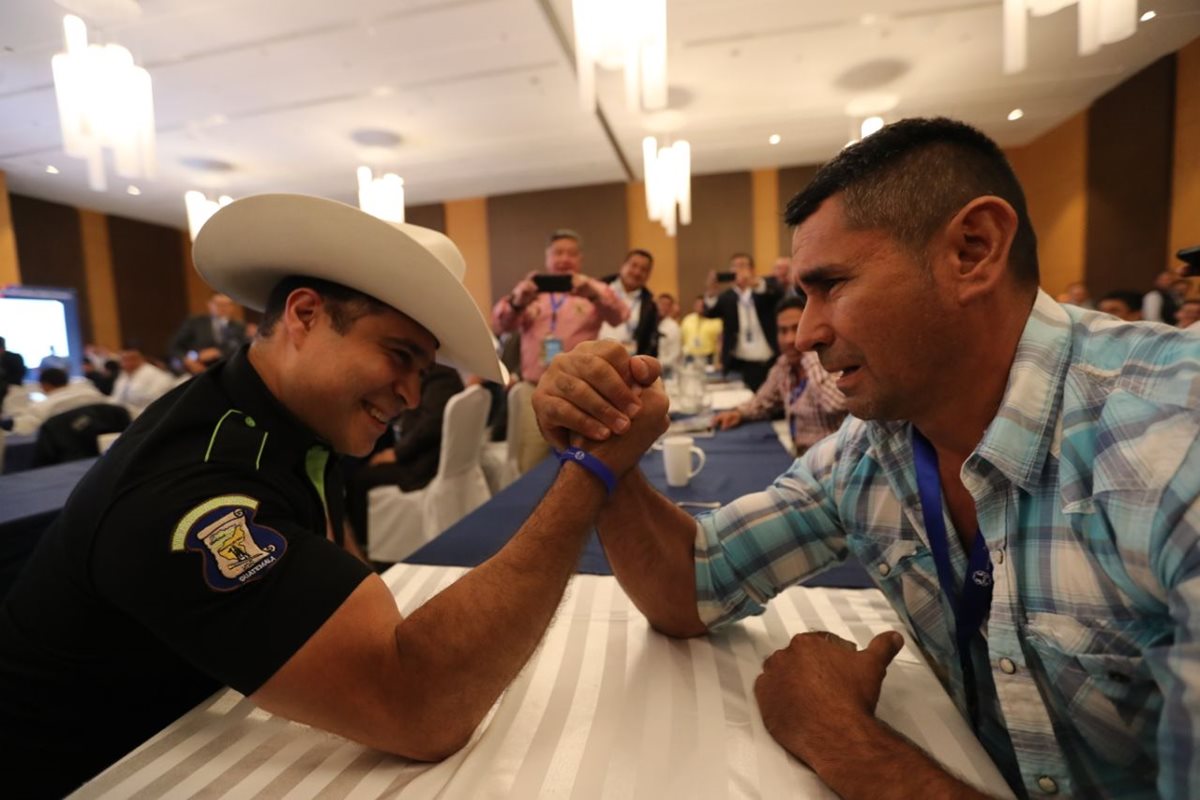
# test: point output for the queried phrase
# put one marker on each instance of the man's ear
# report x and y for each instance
(300, 313)
(976, 243)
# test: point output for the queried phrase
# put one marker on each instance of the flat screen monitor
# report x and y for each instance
(42, 324)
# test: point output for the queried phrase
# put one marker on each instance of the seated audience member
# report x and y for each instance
(550, 323)
(669, 341)
(204, 339)
(1077, 294)
(12, 375)
(140, 383)
(639, 331)
(1021, 478)
(700, 336)
(101, 367)
(1160, 304)
(61, 395)
(797, 387)
(780, 279)
(411, 460)
(206, 547)
(747, 314)
(1122, 304)
(1188, 316)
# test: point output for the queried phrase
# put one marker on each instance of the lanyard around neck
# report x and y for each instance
(797, 390)
(556, 302)
(975, 600)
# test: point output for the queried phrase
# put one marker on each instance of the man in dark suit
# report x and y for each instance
(204, 339)
(747, 310)
(12, 368)
(640, 331)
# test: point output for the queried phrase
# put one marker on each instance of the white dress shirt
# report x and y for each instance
(142, 387)
(70, 397)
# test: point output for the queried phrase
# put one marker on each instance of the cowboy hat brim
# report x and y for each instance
(250, 245)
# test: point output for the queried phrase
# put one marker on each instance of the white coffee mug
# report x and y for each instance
(677, 459)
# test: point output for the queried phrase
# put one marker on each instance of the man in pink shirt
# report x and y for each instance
(550, 323)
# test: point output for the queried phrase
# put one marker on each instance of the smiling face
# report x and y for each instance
(563, 256)
(635, 272)
(347, 387)
(875, 313)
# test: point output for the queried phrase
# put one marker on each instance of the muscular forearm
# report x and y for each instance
(865, 758)
(649, 542)
(466, 644)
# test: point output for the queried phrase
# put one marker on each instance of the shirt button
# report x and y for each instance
(1007, 666)
(1048, 784)
(884, 569)
(997, 557)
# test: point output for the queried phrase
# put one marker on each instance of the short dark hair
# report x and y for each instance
(564, 233)
(53, 376)
(790, 301)
(912, 176)
(637, 251)
(344, 305)
(746, 256)
(667, 295)
(1131, 299)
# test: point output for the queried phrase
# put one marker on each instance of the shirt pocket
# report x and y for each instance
(1102, 688)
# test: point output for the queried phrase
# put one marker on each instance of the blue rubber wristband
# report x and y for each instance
(591, 464)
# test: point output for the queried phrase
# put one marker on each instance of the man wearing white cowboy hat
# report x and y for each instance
(202, 550)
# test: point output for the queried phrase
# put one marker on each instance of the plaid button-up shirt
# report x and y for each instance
(812, 414)
(1086, 487)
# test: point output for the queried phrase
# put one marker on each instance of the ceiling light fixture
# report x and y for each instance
(1015, 115)
(775, 138)
(381, 197)
(870, 125)
(668, 175)
(51, 169)
(1149, 15)
(200, 208)
(1101, 22)
(616, 33)
(104, 101)
(133, 190)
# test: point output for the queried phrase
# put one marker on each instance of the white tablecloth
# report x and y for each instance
(606, 709)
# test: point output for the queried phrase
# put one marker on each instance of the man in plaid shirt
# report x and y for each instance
(797, 385)
(1021, 479)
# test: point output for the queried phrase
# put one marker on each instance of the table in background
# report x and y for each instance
(605, 709)
(740, 461)
(18, 452)
(29, 502)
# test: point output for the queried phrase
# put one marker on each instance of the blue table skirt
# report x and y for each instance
(740, 461)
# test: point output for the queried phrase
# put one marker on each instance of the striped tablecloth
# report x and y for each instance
(606, 709)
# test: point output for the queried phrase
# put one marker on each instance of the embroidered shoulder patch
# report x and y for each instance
(235, 550)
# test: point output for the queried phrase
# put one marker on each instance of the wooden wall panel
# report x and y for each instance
(50, 250)
(10, 269)
(768, 215)
(432, 216)
(1185, 179)
(148, 264)
(466, 225)
(102, 290)
(791, 181)
(1130, 133)
(518, 225)
(722, 224)
(1053, 172)
(646, 234)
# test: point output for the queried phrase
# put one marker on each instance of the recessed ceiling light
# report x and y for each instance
(50, 168)
(775, 138)
(1015, 115)
(1149, 15)
(133, 190)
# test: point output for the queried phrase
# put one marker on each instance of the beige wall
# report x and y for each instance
(1053, 171)
(652, 236)
(98, 272)
(764, 185)
(10, 270)
(1185, 179)
(466, 225)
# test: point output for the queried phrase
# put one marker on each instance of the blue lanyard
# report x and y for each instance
(555, 304)
(792, 398)
(976, 598)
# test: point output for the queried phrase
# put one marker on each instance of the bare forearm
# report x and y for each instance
(867, 759)
(649, 542)
(468, 643)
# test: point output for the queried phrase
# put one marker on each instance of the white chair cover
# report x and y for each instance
(399, 523)
(499, 459)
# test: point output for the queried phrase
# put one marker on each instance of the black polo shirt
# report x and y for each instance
(192, 555)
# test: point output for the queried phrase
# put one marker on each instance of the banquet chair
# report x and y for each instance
(398, 522)
(71, 435)
(499, 459)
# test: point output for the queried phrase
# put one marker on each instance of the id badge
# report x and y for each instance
(551, 346)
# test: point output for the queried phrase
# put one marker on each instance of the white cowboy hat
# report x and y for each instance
(251, 244)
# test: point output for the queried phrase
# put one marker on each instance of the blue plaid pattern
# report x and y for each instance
(1086, 487)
